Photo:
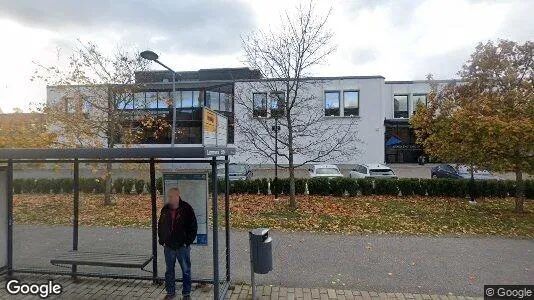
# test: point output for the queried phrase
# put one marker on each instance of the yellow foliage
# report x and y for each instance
(24, 130)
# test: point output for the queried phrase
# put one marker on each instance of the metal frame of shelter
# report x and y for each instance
(151, 156)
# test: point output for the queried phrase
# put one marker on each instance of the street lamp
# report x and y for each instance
(151, 55)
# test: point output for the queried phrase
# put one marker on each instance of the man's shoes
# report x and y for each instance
(169, 297)
(186, 297)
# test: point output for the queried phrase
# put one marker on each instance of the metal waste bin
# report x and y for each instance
(261, 255)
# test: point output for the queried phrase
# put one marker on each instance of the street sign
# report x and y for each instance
(214, 128)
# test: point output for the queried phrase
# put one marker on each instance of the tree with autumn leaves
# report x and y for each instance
(92, 94)
(25, 130)
(486, 119)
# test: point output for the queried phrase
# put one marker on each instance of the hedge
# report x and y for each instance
(316, 186)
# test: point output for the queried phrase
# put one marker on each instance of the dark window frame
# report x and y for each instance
(414, 105)
(332, 109)
(261, 113)
(352, 109)
(401, 114)
(278, 112)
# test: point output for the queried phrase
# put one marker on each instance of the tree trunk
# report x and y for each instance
(108, 183)
(293, 204)
(520, 191)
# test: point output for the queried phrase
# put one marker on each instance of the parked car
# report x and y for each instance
(327, 171)
(372, 171)
(460, 172)
(235, 172)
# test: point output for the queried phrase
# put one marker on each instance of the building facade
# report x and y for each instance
(376, 111)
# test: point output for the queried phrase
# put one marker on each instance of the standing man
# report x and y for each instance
(177, 229)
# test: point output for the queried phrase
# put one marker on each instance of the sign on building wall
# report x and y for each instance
(214, 128)
(193, 190)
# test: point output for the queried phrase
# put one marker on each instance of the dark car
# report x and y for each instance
(235, 172)
(459, 172)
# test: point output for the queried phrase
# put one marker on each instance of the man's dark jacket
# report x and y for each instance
(185, 226)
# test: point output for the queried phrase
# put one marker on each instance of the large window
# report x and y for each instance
(186, 99)
(418, 99)
(125, 101)
(400, 106)
(259, 103)
(163, 99)
(278, 100)
(351, 103)
(151, 100)
(139, 101)
(331, 103)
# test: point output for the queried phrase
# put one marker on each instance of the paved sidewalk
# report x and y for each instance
(92, 288)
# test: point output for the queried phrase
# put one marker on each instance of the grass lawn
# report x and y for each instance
(365, 214)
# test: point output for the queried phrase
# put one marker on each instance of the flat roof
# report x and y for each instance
(421, 81)
(313, 78)
(116, 153)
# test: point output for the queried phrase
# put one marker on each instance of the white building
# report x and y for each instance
(375, 110)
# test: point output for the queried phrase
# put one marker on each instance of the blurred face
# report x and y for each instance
(173, 197)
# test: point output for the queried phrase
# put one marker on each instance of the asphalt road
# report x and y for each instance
(374, 263)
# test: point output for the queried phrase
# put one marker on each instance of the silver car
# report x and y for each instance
(372, 171)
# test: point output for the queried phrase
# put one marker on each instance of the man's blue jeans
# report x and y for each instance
(184, 259)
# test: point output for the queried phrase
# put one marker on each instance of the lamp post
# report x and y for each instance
(150, 55)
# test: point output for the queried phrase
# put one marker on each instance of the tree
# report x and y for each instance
(93, 91)
(25, 130)
(487, 119)
(285, 57)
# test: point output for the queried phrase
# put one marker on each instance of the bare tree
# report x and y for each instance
(289, 98)
(94, 96)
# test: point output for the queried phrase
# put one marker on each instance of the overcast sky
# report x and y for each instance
(399, 39)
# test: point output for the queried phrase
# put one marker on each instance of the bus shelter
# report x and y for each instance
(209, 155)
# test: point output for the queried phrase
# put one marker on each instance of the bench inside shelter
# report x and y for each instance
(79, 258)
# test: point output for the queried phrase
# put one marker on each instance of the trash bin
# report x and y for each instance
(261, 255)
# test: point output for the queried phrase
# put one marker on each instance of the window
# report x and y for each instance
(418, 99)
(351, 103)
(151, 100)
(212, 100)
(400, 106)
(278, 100)
(331, 103)
(186, 99)
(86, 106)
(125, 101)
(197, 100)
(259, 103)
(139, 101)
(223, 101)
(163, 98)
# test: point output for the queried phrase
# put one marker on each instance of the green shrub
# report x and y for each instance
(128, 185)
(385, 187)
(421, 187)
(365, 186)
(300, 186)
(66, 185)
(529, 189)
(337, 186)
(264, 186)
(17, 186)
(239, 187)
(319, 186)
(159, 185)
(407, 186)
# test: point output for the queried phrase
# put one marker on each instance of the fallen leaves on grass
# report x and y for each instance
(364, 214)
